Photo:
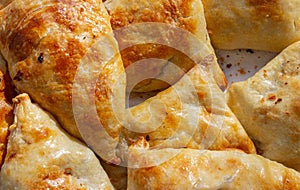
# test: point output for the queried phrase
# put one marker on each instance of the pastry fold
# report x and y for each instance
(192, 113)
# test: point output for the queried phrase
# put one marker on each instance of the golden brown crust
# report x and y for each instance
(254, 24)
(192, 113)
(139, 52)
(165, 11)
(185, 14)
(44, 43)
(267, 8)
(40, 155)
(54, 174)
(194, 169)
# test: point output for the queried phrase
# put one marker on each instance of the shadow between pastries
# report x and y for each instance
(6, 112)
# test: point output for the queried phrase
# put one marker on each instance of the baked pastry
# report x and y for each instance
(40, 155)
(254, 24)
(6, 113)
(267, 105)
(186, 15)
(192, 113)
(204, 169)
(46, 43)
(64, 54)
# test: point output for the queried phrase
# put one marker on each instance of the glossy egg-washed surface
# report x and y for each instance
(44, 43)
(204, 169)
(255, 24)
(268, 106)
(192, 113)
(41, 155)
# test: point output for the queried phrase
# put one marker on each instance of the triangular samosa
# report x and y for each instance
(268, 106)
(41, 155)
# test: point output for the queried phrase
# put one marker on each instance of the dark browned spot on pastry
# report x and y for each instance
(42, 134)
(67, 59)
(201, 95)
(41, 58)
(18, 76)
(11, 156)
(147, 138)
(287, 113)
(271, 97)
(278, 101)
(289, 181)
(68, 171)
(250, 51)
(265, 74)
(209, 109)
(267, 9)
